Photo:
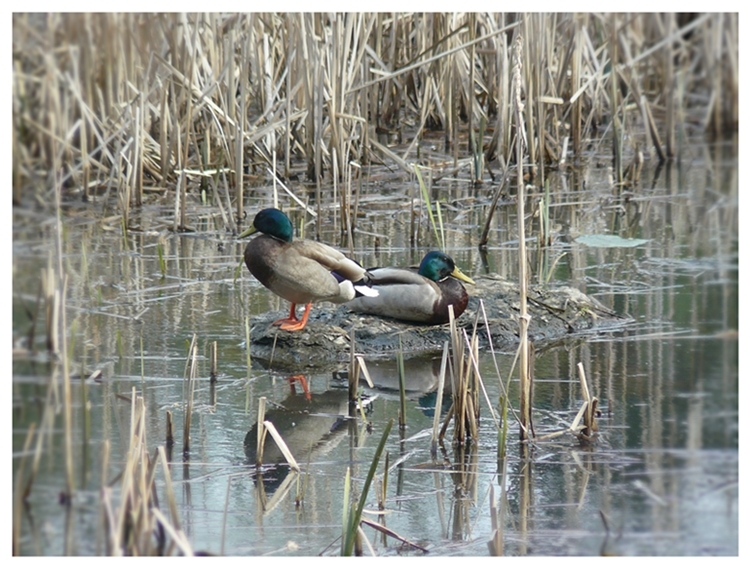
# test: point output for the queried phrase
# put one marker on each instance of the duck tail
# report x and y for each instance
(365, 290)
(362, 287)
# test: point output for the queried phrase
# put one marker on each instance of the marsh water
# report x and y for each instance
(663, 471)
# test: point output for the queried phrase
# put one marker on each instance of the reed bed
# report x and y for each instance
(123, 105)
(136, 526)
(112, 108)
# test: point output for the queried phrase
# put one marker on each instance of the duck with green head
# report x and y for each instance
(300, 271)
(421, 295)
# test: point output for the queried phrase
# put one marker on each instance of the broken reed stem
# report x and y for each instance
(191, 380)
(213, 378)
(170, 430)
(214, 361)
(271, 429)
(401, 386)
(589, 414)
(261, 432)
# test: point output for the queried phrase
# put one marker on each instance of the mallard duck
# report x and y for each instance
(300, 271)
(417, 295)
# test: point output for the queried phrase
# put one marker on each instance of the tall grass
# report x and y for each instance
(129, 103)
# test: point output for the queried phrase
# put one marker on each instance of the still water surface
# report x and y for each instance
(664, 471)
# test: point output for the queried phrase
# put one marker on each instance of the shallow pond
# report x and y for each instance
(663, 471)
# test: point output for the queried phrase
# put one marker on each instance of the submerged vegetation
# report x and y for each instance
(116, 110)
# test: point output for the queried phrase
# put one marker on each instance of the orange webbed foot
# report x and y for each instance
(292, 323)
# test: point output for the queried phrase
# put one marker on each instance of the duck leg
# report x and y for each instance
(292, 323)
(303, 381)
(291, 319)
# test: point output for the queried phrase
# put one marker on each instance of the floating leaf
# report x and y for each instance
(609, 241)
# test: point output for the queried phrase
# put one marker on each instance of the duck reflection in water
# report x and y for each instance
(310, 425)
(421, 379)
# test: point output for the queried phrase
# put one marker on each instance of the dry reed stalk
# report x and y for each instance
(401, 387)
(130, 108)
(191, 376)
(473, 360)
(271, 429)
(169, 430)
(214, 361)
(362, 366)
(18, 494)
(50, 304)
(225, 516)
(575, 79)
(46, 427)
(731, 99)
(642, 102)
(239, 134)
(353, 370)
(247, 344)
(589, 415)
(455, 410)
(531, 84)
(131, 525)
(617, 165)
(438, 401)
(464, 382)
(475, 145)
(523, 318)
(61, 293)
(214, 374)
(261, 438)
(484, 237)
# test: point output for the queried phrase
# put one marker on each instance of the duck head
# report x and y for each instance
(272, 222)
(437, 266)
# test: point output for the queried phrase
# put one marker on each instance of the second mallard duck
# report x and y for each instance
(300, 271)
(417, 295)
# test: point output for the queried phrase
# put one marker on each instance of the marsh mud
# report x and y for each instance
(556, 313)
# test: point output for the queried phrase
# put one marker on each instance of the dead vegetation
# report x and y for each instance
(125, 104)
(110, 107)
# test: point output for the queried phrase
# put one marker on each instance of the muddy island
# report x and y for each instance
(556, 314)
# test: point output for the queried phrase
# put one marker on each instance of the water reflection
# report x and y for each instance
(309, 425)
(664, 469)
(421, 380)
(421, 375)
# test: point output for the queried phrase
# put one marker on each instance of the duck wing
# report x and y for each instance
(402, 294)
(331, 259)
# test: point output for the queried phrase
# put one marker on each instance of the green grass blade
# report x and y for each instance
(354, 519)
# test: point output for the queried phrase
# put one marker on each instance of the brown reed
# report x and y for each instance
(101, 106)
